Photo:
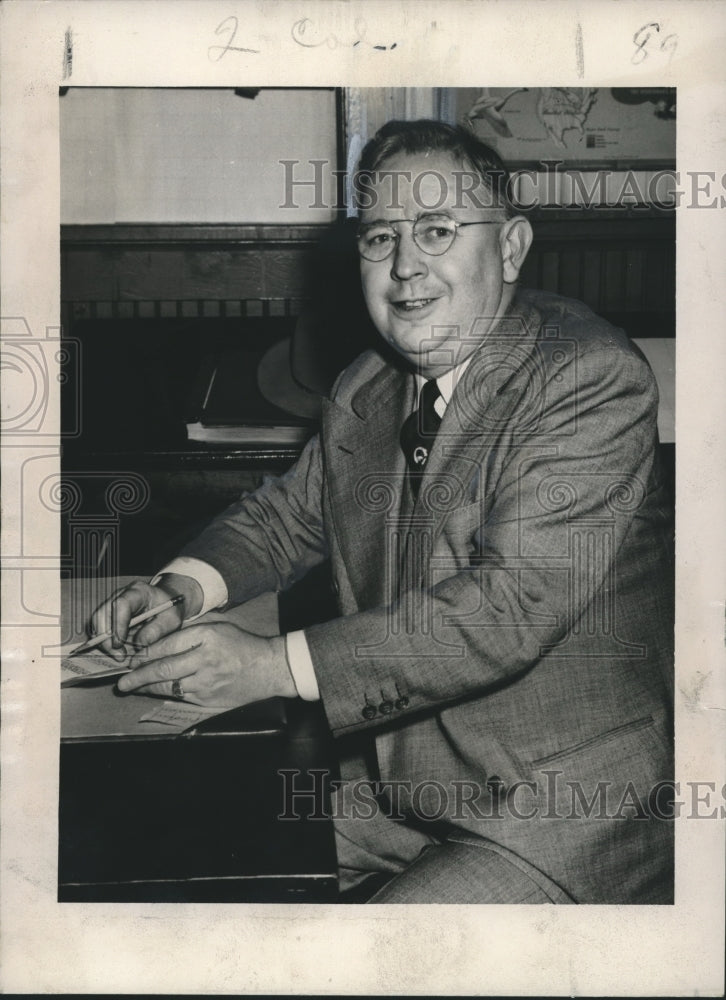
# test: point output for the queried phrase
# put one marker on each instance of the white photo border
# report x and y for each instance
(49, 947)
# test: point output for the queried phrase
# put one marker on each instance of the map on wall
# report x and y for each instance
(588, 125)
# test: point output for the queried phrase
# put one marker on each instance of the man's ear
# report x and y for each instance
(515, 239)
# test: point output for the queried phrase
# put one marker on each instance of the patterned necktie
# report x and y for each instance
(418, 433)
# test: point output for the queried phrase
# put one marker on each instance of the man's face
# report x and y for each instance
(422, 303)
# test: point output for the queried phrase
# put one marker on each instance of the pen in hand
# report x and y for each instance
(143, 617)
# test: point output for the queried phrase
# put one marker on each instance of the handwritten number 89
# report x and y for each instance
(642, 39)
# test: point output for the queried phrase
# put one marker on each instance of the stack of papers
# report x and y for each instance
(89, 666)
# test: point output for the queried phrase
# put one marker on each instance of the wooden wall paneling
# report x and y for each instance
(225, 274)
(284, 272)
(659, 278)
(530, 268)
(634, 278)
(87, 273)
(591, 277)
(570, 270)
(550, 271)
(612, 297)
(614, 264)
(149, 274)
(213, 271)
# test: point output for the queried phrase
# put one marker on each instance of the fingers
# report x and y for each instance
(122, 609)
(154, 630)
(175, 657)
(114, 616)
(173, 644)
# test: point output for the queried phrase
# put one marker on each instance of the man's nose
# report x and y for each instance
(408, 260)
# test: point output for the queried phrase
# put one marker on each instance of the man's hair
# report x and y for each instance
(427, 135)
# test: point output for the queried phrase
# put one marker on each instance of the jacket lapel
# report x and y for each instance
(482, 408)
(366, 477)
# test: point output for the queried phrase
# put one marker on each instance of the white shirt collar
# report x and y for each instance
(447, 383)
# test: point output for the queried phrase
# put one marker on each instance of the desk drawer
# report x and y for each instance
(194, 819)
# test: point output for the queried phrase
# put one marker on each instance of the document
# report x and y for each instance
(89, 666)
(179, 715)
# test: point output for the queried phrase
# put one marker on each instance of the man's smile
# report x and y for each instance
(412, 305)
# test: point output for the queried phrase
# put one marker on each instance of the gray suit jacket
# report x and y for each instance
(507, 638)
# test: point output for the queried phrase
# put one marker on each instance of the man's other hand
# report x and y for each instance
(217, 665)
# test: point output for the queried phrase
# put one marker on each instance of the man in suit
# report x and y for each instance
(487, 489)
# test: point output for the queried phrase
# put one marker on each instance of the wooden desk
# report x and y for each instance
(147, 815)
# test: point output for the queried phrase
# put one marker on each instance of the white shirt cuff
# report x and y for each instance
(214, 589)
(301, 666)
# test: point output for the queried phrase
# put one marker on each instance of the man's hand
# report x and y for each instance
(116, 613)
(218, 666)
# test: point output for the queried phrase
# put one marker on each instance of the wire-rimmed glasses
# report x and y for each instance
(434, 234)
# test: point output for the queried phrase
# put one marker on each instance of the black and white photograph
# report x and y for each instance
(348, 534)
(472, 701)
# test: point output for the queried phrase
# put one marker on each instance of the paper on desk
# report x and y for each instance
(179, 714)
(89, 666)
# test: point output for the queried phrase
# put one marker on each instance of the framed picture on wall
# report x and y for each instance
(591, 127)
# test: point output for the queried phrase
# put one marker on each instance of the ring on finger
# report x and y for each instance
(177, 690)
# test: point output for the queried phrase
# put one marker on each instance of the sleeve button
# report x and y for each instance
(370, 712)
(402, 703)
(385, 707)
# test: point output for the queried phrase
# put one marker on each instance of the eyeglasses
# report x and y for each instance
(433, 234)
